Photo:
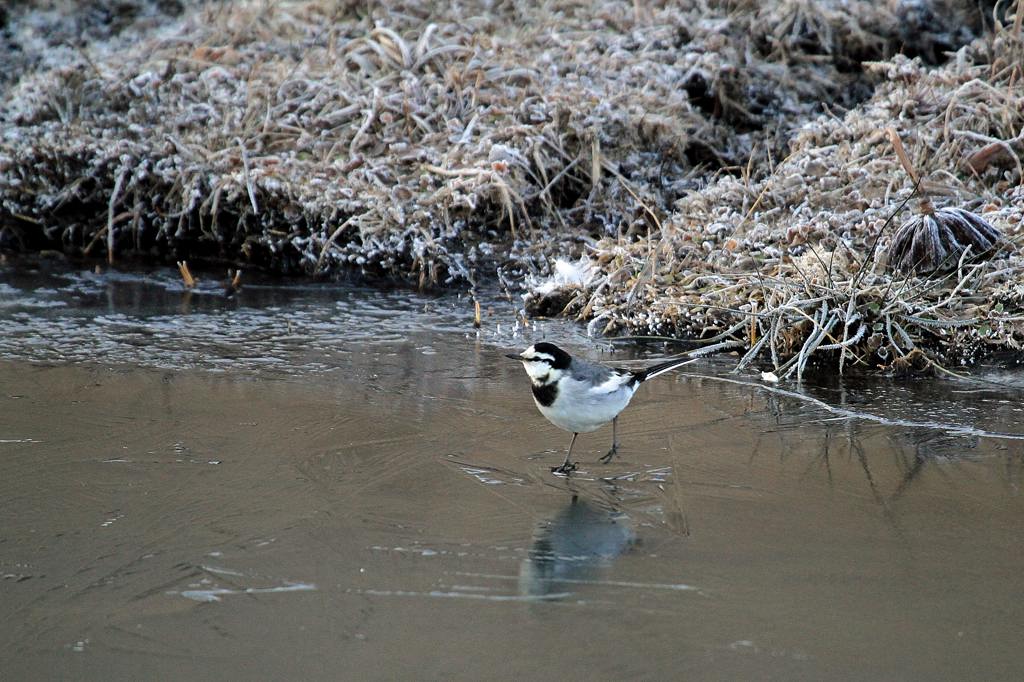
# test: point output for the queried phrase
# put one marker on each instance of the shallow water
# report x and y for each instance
(327, 482)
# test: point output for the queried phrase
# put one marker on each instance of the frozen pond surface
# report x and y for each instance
(322, 482)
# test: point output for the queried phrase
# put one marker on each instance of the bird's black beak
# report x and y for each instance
(513, 356)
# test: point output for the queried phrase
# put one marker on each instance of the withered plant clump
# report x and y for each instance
(790, 267)
(934, 241)
(939, 240)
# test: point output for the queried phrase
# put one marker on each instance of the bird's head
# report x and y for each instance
(543, 361)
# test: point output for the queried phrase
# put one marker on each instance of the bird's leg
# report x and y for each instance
(615, 443)
(566, 466)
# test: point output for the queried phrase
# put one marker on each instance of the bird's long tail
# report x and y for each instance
(661, 368)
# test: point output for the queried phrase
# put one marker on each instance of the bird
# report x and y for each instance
(581, 396)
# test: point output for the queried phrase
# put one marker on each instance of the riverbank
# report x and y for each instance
(721, 168)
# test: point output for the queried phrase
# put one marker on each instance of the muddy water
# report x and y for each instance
(329, 483)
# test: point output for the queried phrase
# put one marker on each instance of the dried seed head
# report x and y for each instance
(935, 242)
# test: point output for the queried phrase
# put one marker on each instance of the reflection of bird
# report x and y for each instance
(579, 539)
(581, 396)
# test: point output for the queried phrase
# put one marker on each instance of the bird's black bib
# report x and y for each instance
(545, 393)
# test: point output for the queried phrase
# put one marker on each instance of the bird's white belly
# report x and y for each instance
(579, 410)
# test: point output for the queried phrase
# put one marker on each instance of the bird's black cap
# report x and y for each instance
(562, 359)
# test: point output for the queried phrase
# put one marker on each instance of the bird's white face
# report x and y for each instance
(539, 366)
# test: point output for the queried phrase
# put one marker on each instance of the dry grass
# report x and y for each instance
(722, 164)
(792, 266)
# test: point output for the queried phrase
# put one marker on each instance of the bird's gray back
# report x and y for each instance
(581, 370)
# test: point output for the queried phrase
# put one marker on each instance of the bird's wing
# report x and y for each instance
(596, 379)
(616, 379)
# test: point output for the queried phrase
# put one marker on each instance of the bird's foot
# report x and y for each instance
(565, 469)
(611, 453)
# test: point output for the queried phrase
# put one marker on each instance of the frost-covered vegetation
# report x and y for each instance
(723, 168)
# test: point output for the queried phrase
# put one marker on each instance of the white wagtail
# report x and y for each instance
(581, 396)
